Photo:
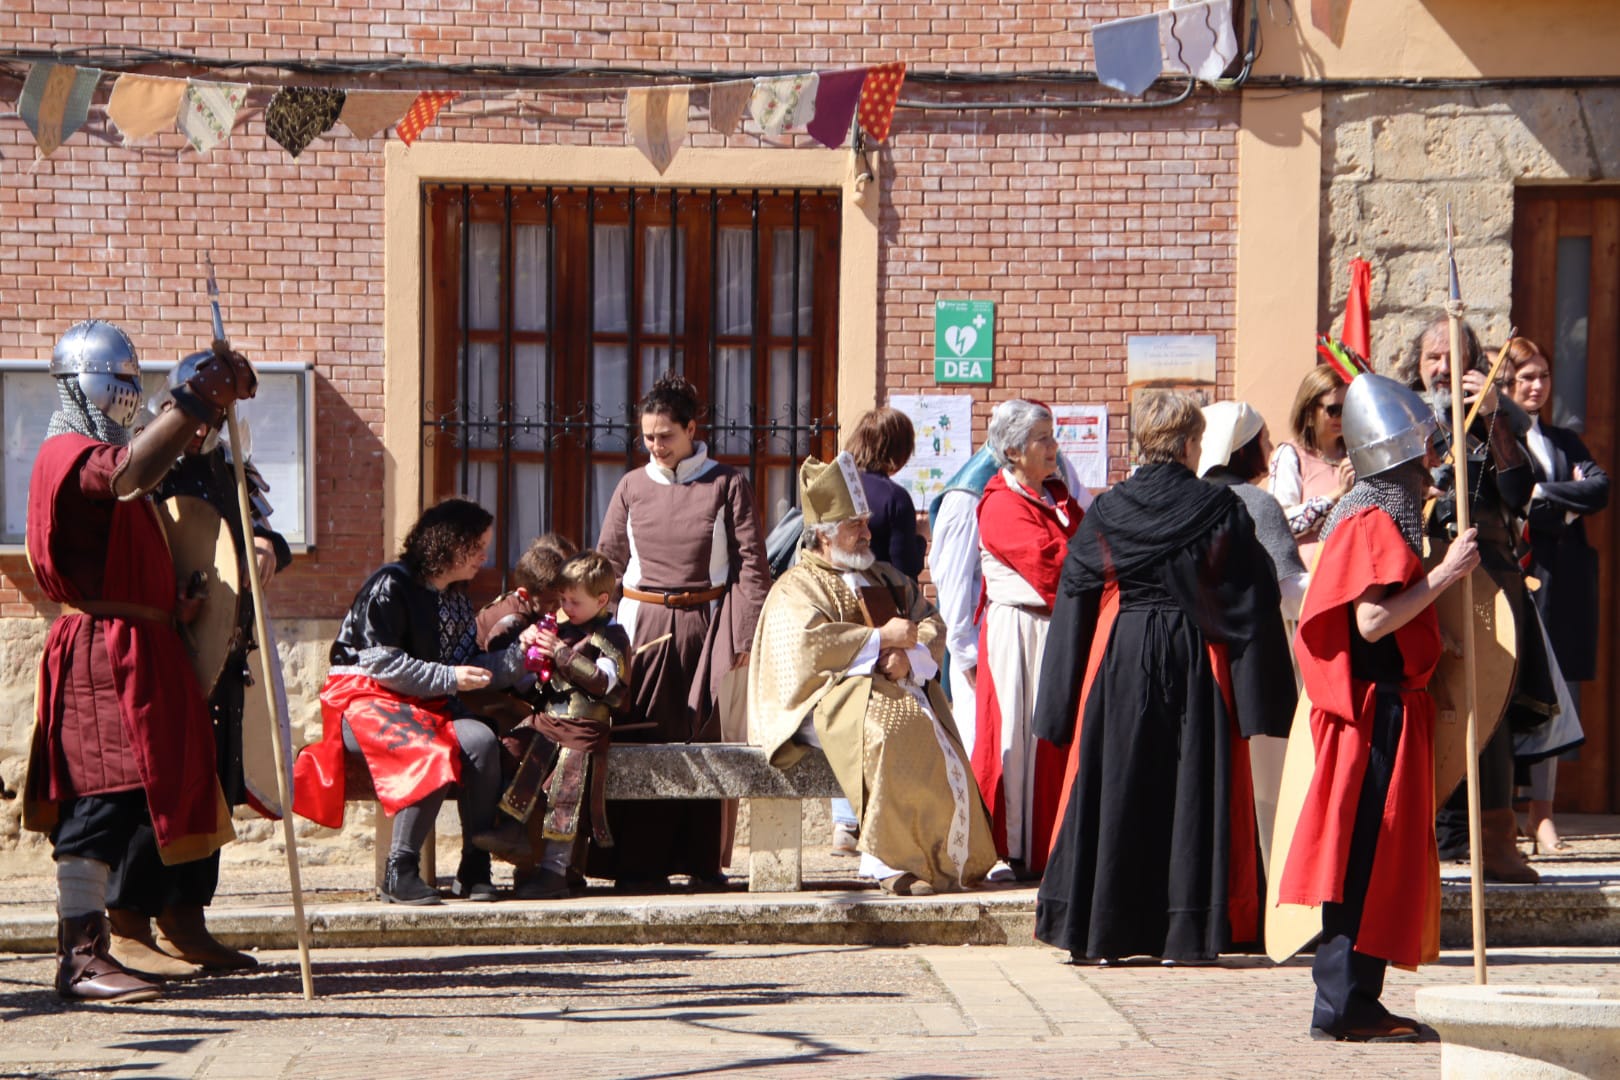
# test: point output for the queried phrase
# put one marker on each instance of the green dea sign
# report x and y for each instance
(964, 340)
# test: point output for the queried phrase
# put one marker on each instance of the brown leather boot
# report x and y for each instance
(1499, 849)
(133, 946)
(85, 971)
(185, 934)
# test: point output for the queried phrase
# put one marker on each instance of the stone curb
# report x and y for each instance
(826, 918)
(1558, 915)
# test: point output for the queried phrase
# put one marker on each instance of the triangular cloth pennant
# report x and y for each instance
(297, 114)
(785, 102)
(143, 105)
(1196, 37)
(366, 112)
(656, 119)
(727, 103)
(423, 112)
(208, 112)
(1128, 54)
(837, 94)
(879, 95)
(55, 102)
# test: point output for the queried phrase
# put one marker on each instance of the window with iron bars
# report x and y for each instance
(550, 311)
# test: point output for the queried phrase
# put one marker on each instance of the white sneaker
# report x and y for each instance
(1001, 872)
(844, 841)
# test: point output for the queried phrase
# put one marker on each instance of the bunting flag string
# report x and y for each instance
(1192, 36)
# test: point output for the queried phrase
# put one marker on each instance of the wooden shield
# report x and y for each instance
(1495, 668)
(1291, 927)
(200, 542)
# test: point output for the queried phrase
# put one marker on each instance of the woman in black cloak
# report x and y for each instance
(1167, 649)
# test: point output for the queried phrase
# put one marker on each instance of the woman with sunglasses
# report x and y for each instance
(1310, 472)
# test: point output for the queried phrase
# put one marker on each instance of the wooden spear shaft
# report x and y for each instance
(261, 631)
(1459, 457)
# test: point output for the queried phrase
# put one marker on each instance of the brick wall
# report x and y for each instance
(1084, 227)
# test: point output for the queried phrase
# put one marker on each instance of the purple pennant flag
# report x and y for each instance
(836, 97)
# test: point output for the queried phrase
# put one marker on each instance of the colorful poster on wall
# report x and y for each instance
(944, 425)
(1183, 362)
(1082, 435)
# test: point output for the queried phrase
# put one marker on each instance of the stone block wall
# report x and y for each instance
(1393, 160)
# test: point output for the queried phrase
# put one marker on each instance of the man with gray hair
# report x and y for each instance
(845, 657)
(122, 735)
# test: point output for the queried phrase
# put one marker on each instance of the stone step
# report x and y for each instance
(1566, 913)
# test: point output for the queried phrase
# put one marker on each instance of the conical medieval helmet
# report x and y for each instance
(1385, 424)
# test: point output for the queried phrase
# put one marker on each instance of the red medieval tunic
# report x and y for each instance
(1023, 540)
(1401, 918)
(118, 708)
(688, 530)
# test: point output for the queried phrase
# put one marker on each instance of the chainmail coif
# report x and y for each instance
(80, 417)
(1396, 493)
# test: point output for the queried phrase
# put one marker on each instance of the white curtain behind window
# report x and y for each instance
(734, 282)
(656, 268)
(782, 281)
(610, 254)
(529, 278)
(484, 276)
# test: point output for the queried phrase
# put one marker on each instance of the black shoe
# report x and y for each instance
(473, 880)
(403, 884)
(545, 885)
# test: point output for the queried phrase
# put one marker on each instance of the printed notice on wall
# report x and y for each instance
(1082, 435)
(944, 424)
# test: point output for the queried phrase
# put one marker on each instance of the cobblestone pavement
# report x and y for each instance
(785, 1011)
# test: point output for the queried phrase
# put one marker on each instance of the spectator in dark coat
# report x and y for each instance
(881, 444)
(1569, 485)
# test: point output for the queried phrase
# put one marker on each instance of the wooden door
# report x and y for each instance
(1566, 298)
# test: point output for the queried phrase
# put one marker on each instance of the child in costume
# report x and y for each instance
(584, 669)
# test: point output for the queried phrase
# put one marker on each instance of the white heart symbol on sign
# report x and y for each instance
(960, 339)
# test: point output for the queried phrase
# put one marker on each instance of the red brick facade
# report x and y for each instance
(1084, 227)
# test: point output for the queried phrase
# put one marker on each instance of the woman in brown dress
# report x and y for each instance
(682, 533)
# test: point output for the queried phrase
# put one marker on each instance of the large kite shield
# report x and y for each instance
(1496, 646)
(205, 565)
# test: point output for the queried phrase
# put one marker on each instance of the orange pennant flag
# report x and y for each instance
(423, 112)
(879, 94)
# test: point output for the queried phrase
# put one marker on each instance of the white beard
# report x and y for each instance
(844, 560)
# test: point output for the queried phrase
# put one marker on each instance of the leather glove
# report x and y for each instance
(223, 378)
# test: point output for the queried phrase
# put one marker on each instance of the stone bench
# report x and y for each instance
(732, 771)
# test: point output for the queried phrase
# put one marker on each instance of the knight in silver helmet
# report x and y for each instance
(106, 766)
(98, 378)
(1387, 433)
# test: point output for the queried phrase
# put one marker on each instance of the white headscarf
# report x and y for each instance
(1228, 427)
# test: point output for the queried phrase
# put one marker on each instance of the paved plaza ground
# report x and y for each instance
(691, 1011)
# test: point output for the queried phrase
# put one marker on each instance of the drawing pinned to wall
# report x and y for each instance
(944, 425)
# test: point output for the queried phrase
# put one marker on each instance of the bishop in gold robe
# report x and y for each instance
(846, 657)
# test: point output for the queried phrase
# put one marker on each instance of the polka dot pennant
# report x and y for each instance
(878, 97)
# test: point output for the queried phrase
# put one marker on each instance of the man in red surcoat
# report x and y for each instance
(122, 732)
(1368, 643)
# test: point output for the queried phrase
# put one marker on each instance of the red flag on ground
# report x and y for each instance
(1357, 325)
(423, 111)
(879, 93)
